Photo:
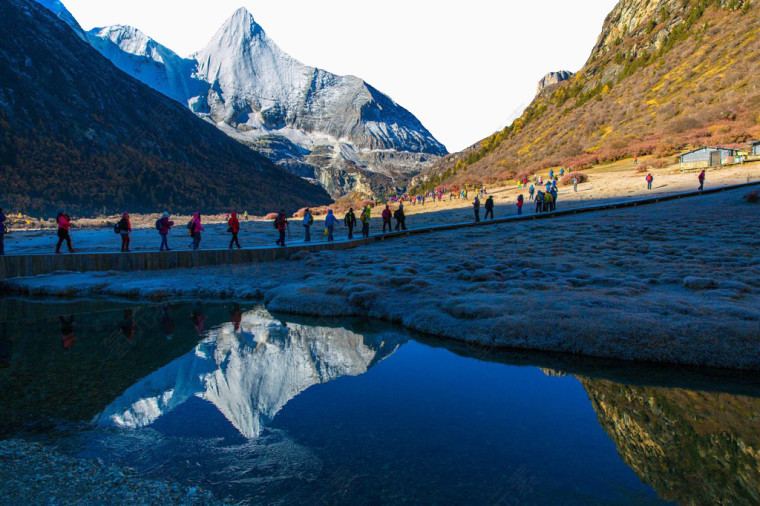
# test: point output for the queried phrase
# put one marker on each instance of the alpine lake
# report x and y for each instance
(267, 408)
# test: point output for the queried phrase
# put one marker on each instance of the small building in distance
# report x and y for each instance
(754, 148)
(707, 156)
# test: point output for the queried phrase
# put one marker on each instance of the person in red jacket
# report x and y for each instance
(234, 228)
(649, 181)
(520, 201)
(281, 224)
(64, 222)
(701, 179)
(125, 228)
(387, 218)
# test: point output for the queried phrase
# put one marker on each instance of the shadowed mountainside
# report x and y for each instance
(76, 132)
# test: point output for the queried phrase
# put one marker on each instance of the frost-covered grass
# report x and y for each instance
(677, 282)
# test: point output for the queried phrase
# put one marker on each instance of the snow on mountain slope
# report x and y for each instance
(155, 65)
(249, 376)
(337, 130)
(57, 8)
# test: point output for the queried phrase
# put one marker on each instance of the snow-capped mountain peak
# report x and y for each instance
(335, 130)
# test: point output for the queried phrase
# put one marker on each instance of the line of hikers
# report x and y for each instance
(546, 201)
(195, 229)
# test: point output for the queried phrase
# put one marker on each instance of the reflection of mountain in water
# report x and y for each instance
(692, 447)
(251, 375)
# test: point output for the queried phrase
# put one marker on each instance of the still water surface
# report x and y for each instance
(279, 409)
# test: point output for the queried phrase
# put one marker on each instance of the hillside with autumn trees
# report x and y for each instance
(664, 76)
(77, 133)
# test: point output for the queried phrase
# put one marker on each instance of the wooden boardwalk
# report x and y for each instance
(34, 265)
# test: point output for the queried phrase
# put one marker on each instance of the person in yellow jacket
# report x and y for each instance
(365, 217)
(548, 202)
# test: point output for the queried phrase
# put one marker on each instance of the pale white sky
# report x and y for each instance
(464, 68)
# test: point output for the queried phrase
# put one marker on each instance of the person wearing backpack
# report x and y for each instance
(365, 217)
(387, 218)
(400, 218)
(489, 207)
(330, 222)
(350, 222)
(195, 227)
(539, 201)
(124, 228)
(2, 232)
(308, 221)
(233, 228)
(64, 222)
(519, 204)
(548, 202)
(163, 225)
(281, 224)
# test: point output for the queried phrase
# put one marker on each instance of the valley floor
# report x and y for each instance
(677, 282)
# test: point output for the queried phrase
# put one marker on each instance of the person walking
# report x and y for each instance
(195, 227)
(575, 184)
(649, 179)
(551, 174)
(548, 202)
(350, 222)
(308, 221)
(124, 228)
(64, 223)
(701, 180)
(554, 194)
(519, 204)
(245, 216)
(387, 218)
(531, 192)
(281, 224)
(400, 218)
(233, 225)
(2, 231)
(163, 225)
(330, 222)
(476, 208)
(539, 201)
(365, 217)
(489, 207)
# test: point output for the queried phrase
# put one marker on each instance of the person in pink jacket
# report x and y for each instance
(387, 218)
(195, 229)
(64, 222)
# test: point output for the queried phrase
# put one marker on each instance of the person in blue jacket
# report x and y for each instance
(330, 222)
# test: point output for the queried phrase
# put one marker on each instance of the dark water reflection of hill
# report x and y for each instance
(692, 434)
